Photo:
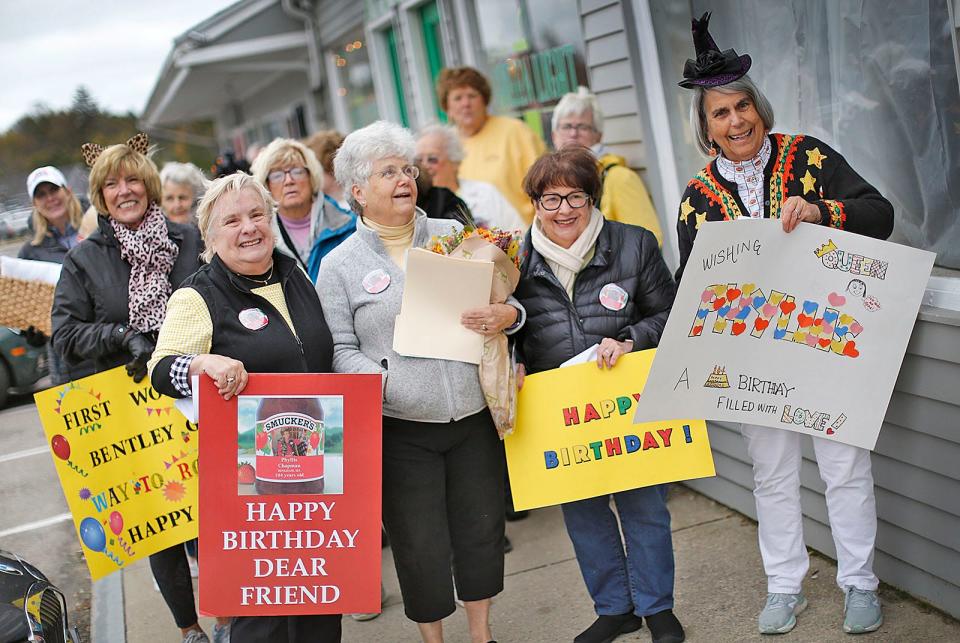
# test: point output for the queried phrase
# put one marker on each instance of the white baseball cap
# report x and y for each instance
(45, 174)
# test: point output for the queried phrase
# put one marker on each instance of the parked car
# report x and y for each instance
(31, 607)
(15, 222)
(21, 365)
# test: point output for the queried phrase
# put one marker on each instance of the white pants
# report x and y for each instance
(851, 507)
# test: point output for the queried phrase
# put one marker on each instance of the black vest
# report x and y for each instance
(272, 348)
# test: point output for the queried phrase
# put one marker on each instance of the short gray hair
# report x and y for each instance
(186, 174)
(219, 188)
(576, 103)
(286, 151)
(450, 138)
(354, 161)
(698, 115)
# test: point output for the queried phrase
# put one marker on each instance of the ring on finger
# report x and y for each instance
(231, 378)
(483, 327)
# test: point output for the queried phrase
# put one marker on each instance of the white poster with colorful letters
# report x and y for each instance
(803, 331)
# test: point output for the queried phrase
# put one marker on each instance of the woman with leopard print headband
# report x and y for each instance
(112, 298)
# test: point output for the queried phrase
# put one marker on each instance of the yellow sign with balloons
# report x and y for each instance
(127, 462)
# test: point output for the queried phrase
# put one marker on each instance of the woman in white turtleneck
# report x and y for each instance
(441, 454)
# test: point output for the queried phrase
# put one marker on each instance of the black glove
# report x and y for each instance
(34, 337)
(140, 348)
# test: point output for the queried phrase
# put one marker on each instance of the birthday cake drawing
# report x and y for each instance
(717, 379)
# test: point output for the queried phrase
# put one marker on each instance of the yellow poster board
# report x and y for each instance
(575, 437)
(127, 461)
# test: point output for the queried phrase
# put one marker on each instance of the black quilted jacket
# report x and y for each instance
(556, 329)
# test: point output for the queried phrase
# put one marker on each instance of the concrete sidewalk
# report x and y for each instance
(720, 588)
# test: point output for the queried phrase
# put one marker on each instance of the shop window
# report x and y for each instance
(355, 88)
(533, 53)
(876, 80)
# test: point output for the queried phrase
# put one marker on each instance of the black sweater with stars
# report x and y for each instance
(798, 165)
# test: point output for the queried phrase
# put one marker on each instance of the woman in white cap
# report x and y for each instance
(55, 219)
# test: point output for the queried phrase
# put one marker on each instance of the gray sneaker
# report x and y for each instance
(861, 611)
(779, 615)
(195, 636)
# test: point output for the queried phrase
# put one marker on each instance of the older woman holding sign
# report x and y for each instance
(797, 179)
(585, 282)
(251, 309)
(442, 461)
(112, 297)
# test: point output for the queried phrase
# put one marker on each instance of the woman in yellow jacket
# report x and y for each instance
(577, 120)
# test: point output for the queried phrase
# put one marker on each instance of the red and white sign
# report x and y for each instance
(295, 543)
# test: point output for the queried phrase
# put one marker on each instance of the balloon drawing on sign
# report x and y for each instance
(61, 448)
(92, 534)
(116, 523)
(116, 526)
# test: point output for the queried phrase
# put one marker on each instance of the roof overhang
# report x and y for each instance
(226, 59)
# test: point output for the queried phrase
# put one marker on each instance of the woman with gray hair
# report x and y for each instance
(307, 225)
(578, 120)
(443, 465)
(183, 185)
(439, 152)
(797, 179)
(251, 309)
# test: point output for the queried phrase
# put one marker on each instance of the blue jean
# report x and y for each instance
(638, 580)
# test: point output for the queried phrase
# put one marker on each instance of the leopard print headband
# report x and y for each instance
(92, 151)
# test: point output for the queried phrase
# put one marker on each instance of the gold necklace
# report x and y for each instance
(262, 282)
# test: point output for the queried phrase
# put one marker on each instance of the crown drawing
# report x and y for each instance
(718, 378)
(825, 249)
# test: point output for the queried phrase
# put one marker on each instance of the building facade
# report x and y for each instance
(878, 81)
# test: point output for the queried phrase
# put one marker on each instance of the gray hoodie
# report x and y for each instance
(423, 390)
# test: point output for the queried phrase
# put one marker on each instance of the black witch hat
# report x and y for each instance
(712, 67)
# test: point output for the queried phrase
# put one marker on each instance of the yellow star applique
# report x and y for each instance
(815, 158)
(685, 209)
(701, 217)
(809, 182)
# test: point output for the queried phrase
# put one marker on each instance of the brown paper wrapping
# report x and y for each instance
(498, 379)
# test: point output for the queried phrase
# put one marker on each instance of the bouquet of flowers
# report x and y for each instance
(497, 374)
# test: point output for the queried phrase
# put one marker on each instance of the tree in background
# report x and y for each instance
(53, 137)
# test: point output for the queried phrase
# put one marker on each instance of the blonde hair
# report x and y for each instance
(119, 158)
(88, 223)
(40, 224)
(286, 151)
(219, 188)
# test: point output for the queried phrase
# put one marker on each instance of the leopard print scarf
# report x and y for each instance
(151, 255)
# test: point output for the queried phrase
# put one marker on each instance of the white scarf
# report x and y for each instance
(567, 262)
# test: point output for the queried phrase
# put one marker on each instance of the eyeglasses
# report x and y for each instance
(392, 173)
(427, 160)
(296, 173)
(552, 201)
(579, 128)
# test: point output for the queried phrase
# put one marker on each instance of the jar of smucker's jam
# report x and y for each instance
(289, 446)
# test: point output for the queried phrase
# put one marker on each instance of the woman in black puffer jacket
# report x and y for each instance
(588, 281)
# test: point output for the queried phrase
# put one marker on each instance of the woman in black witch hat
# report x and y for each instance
(797, 179)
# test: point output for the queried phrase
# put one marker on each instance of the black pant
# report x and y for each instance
(172, 572)
(443, 497)
(286, 629)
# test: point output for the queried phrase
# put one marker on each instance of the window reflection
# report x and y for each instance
(355, 78)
